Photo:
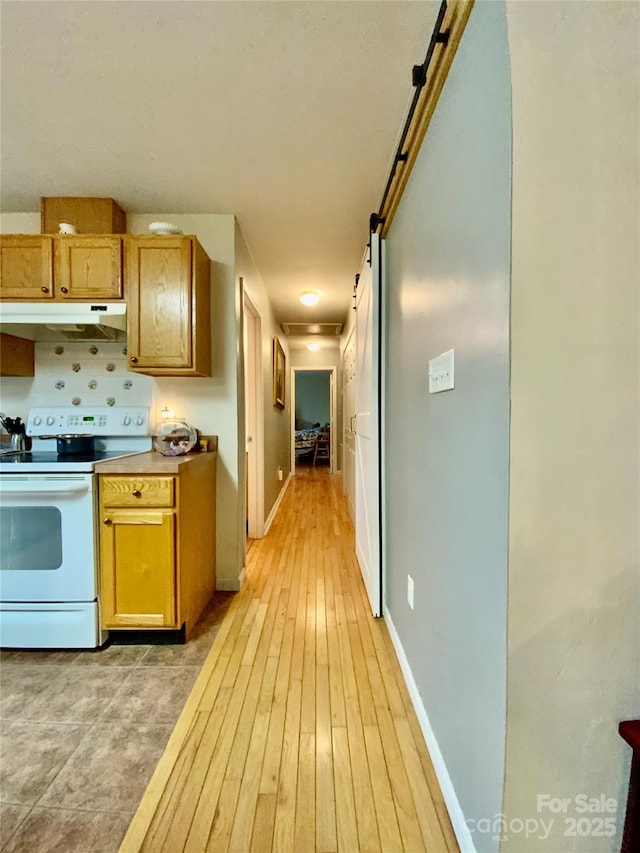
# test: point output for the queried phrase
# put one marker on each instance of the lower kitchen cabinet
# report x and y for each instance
(157, 544)
(138, 556)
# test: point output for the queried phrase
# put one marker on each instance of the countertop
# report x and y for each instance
(153, 462)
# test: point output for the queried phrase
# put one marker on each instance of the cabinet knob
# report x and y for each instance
(107, 521)
(133, 359)
(44, 289)
(64, 289)
(136, 493)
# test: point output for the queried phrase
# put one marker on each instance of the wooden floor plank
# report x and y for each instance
(218, 841)
(308, 708)
(273, 749)
(208, 795)
(401, 790)
(250, 781)
(284, 823)
(305, 829)
(422, 797)
(299, 734)
(262, 838)
(165, 813)
(346, 827)
(388, 828)
(326, 836)
(184, 803)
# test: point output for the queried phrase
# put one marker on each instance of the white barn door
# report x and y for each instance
(367, 399)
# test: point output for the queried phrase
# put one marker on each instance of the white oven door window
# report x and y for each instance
(47, 548)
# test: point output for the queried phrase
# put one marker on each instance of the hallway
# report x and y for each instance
(299, 734)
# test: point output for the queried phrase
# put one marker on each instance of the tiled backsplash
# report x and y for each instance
(81, 374)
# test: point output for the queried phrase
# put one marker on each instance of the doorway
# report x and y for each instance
(254, 420)
(313, 407)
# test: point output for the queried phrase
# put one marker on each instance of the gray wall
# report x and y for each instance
(277, 422)
(448, 254)
(313, 404)
(574, 616)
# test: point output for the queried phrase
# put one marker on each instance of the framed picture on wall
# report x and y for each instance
(279, 367)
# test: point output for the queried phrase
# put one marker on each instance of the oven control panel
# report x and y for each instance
(94, 420)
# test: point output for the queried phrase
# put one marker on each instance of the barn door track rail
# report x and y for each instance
(427, 80)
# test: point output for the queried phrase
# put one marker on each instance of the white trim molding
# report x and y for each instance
(332, 370)
(276, 506)
(254, 414)
(446, 785)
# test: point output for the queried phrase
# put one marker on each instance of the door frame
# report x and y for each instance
(348, 417)
(333, 376)
(254, 416)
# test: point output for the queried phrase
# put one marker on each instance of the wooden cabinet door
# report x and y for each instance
(88, 267)
(138, 568)
(16, 356)
(26, 267)
(160, 331)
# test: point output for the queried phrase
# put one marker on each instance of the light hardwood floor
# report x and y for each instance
(299, 734)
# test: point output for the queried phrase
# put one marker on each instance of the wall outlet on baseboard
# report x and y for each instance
(410, 591)
(280, 474)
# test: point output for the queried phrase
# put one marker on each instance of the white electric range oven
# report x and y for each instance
(49, 590)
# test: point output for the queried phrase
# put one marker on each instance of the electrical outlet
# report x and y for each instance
(410, 591)
(280, 474)
(441, 373)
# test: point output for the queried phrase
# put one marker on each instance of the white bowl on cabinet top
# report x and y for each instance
(164, 229)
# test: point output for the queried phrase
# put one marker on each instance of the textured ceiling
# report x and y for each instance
(284, 113)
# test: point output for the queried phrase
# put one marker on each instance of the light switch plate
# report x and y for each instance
(441, 376)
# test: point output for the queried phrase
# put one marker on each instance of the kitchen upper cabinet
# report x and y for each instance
(26, 267)
(61, 268)
(17, 356)
(88, 268)
(169, 297)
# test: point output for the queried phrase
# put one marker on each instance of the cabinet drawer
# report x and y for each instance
(137, 491)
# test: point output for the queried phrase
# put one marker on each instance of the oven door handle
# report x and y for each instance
(41, 488)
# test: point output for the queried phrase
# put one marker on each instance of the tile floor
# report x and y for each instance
(81, 733)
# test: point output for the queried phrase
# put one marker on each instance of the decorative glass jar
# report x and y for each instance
(174, 437)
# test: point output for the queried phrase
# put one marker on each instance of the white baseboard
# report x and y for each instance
(276, 506)
(446, 786)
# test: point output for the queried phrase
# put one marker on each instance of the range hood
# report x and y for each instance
(64, 321)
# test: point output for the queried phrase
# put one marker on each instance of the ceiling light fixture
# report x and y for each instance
(309, 298)
(313, 347)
